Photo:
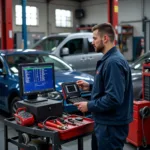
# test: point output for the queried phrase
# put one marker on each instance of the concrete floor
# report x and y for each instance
(68, 146)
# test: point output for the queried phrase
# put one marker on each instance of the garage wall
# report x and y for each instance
(62, 4)
(42, 7)
(95, 11)
(147, 11)
(130, 12)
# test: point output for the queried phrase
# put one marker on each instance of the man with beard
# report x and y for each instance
(111, 101)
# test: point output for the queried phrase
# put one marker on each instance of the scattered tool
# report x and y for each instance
(62, 120)
(40, 125)
(60, 123)
(71, 120)
(79, 119)
(51, 124)
(71, 123)
(75, 121)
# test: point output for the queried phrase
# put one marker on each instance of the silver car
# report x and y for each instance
(136, 68)
(74, 48)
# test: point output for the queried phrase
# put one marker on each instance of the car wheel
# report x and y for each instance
(13, 107)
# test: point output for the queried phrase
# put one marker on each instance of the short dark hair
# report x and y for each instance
(105, 28)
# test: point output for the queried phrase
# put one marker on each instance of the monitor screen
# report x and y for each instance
(71, 88)
(36, 78)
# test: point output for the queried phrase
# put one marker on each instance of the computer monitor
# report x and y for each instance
(36, 78)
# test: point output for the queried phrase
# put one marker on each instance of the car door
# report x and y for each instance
(3, 87)
(77, 56)
(92, 56)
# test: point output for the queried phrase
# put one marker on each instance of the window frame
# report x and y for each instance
(70, 41)
(67, 20)
(19, 14)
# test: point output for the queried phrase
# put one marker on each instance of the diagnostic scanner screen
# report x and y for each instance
(37, 78)
(71, 89)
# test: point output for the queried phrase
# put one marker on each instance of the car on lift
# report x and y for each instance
(9, 77)
(136, 68)
(74, 48)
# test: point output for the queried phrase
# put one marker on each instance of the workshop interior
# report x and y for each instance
(45, 48)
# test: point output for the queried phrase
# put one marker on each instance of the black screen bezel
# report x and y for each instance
(20, 67)
(73, 94)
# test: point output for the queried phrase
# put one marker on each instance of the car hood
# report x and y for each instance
(68, 76)
(71, 76)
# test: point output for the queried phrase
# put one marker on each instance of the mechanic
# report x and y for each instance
(112, 92)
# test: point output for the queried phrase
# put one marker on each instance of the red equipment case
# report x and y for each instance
(136, 130)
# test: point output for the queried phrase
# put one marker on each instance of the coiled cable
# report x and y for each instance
(144, 113)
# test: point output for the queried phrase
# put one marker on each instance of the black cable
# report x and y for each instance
(45, 127)
(144, 112)
(48, 118)
(144, 141)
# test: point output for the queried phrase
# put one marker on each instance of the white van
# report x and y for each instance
(74, 48)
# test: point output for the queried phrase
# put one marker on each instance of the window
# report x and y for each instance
(14, 60)
(75, 46)
(90, 46)
(50, 44)
(63, 18)
(31, 15)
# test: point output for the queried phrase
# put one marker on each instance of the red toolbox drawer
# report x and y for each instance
(139, 126)
(81, 127)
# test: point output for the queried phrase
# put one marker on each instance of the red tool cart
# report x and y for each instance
(56, 131)
(139, 129)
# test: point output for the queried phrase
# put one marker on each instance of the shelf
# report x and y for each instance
(127, 27)
(128, 33)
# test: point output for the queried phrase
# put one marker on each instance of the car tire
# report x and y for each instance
(13, 106)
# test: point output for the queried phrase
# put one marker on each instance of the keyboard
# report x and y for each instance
(77, 99)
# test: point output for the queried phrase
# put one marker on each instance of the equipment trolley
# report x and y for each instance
(51, 136)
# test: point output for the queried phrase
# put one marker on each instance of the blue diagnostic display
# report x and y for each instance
(37, 79)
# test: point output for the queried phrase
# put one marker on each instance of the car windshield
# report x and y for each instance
(14, 60)
(137, 65)
(49, 44)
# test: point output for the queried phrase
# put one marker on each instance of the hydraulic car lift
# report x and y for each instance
(112, 8)
(6, 34)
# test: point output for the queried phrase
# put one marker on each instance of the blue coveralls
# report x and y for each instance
(112, 100)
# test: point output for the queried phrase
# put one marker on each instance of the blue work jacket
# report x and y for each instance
(112, 92)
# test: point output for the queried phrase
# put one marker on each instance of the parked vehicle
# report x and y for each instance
(75, 49)
(9, 78)
(137, 75)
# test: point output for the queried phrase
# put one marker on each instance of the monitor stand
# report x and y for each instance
(35, 99)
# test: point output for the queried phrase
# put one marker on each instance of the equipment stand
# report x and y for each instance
(50, 135)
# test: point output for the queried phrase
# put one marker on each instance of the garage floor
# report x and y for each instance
(68, 146)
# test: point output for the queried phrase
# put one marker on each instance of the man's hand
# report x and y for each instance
(83, 85)
(82, 106)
